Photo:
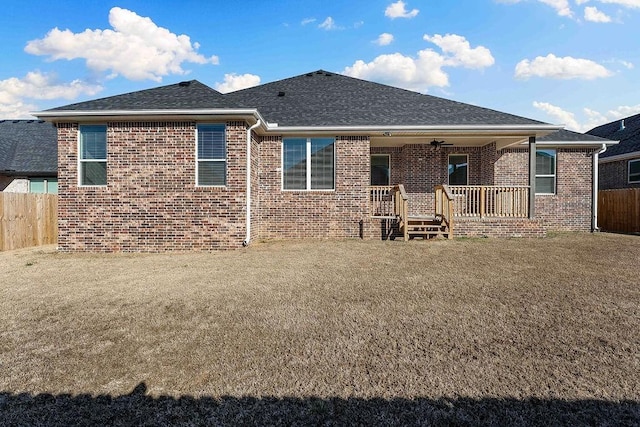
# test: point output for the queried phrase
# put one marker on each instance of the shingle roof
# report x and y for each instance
(322, 98)
(184, 95)
(28, 147)
(565, 135)
(629, 137)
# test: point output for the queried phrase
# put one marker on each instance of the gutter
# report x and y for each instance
(247, 238)
(594, 204)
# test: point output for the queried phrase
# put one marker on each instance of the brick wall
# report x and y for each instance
(316, 214)
(570, 208)
(151, 202)
(614, 175)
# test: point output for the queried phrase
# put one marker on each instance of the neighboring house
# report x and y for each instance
(28, 156)
(620, 165)
(184, 167)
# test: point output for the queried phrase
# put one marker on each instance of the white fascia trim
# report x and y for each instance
(594, 144)
(625, 156)
(440, 129)
(138, 114)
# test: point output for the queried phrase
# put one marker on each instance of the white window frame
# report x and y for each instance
(198, 160)
(629, 181)
(45, 182)
(308, 167)
(449, 162)
(388, 156)
(81, 160)
(554, 175)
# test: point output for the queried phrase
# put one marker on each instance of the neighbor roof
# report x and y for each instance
(322, 98)
(28, 147)
(184, 95)
(628, 135)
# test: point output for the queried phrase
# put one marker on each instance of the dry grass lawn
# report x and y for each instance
(478, 331)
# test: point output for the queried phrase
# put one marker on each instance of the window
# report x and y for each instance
(545, 171)
(93, 155)
(458, 169)
(308, 164)
(43, 185)
(211, 164)
(380, 171)
(634, 171)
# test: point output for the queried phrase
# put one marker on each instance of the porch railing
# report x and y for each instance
(389, 201)
(382, 201)
(445, 206)
(490, 201)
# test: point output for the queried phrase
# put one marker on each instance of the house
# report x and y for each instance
(183, 167)
(620, 164)
(28, 156)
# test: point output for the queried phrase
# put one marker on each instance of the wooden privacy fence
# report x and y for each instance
(619, 210)
(28, 220)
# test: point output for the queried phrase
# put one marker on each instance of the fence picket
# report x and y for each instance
(27, 220)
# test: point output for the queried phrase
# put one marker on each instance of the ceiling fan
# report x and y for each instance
(438, 144)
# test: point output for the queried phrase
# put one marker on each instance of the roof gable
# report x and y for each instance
(184, 95)
(322, 98)
(28, 147)
(629, 135)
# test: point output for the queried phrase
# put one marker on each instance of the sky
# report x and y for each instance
(570, 62)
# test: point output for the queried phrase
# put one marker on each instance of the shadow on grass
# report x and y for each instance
(138, 409)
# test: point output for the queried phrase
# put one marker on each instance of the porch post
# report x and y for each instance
(532, 177)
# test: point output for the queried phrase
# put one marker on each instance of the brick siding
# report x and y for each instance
(615, 175)
(150, 202)
(315, 214)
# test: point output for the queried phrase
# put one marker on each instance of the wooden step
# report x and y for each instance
(426, 227)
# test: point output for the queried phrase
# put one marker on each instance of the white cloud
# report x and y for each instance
(328, 24)
(399, 10)
(306, 21)
(592, 14)
(591, 118)
(562, 7)
(633, 4)
(426, 68)
(554, 67)
(384, 39)
(233, 82)
(628, 65)
(460, 51)
(136, 48)
(559, 115)
(37, 86)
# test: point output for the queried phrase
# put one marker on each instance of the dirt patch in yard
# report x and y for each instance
(466, 331)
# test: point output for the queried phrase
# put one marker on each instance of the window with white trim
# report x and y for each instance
(308, 163)
(546, 171)
(458, 169)
(634, 171)
(93, 155)
(211, 163)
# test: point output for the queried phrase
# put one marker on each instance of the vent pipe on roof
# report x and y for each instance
(622, 126)
(184, 84)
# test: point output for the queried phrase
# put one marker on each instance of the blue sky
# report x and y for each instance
(571, 62)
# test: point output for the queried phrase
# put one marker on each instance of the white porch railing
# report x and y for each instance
(490, 201)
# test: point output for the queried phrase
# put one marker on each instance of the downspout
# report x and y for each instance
(594, 204)
(247, 238)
